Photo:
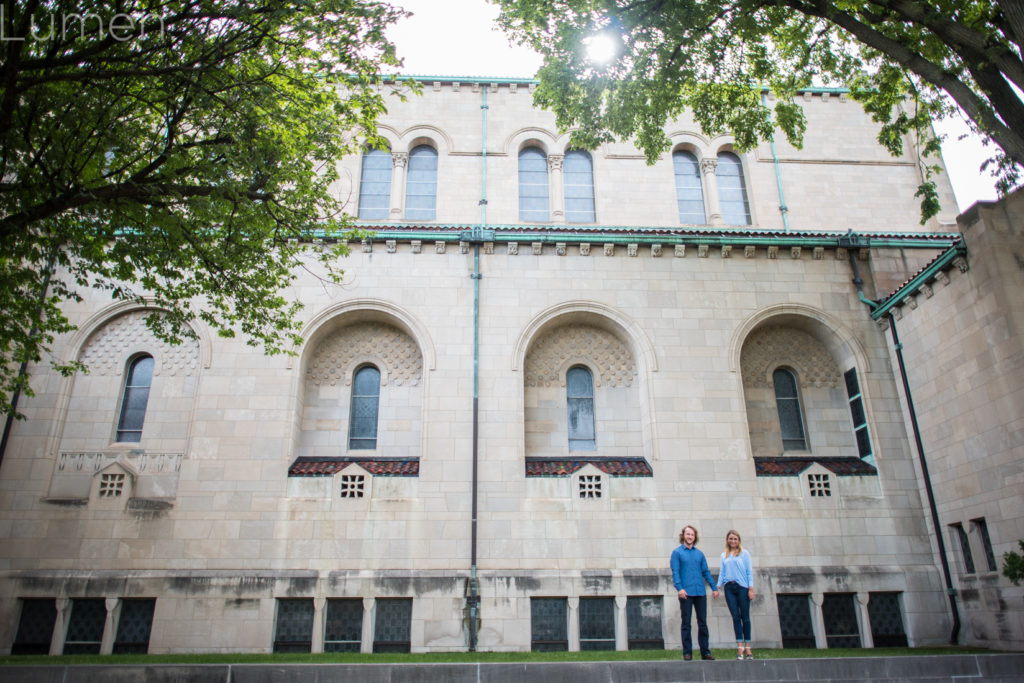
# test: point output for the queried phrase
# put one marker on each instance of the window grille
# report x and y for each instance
(549, 625)
(35, 627)
(819, 485)
(857, 414)
(353, 485)
(375, 185)
(644, 617)
(886, 620)
(965, 547)
(795, 620)
(981, 527)
(590, 486)
(579, 388)
(111, 485)
(294, 628)
(839, 611)
(134, 400)
(597, 623)
(343, 625)
(134, 626)
(533, 185)
(578, 179)
(393, 625)
(689, 189)
(421, 184)
(85, 627)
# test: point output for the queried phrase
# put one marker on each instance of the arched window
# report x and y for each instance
(134, 399)
(689, 191)
(579, 389)
(533, 185)
(787, 400)
(732, 192)
(421, 184)
(578, 178)
(362, 431)
(375, 185)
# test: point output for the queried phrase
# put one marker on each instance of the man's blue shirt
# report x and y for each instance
(690, 570)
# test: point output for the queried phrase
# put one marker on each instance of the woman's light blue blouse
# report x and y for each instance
(736, 568)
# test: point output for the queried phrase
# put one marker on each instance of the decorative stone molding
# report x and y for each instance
(494, 87)
(391, 245)
(488, 247)
(679, 250)
(824, 97)
(773, 252)
(512, 248)
(841, 254)
(807, 96)
(475, 87)
(538, 248)
(609, 249)
(584, 248)
(90, 462)
(771, 345)
(795, 252)
(819, 253)
(631, 249)
(709, 166)
(655, 251)
(961, 263)
(512, 87)
(927, 291)
(367, 247)
(335, 355)
(726, 250)
(897, 312)
(416, 246)
(439, 246)
(399, 159)
(555, 162)
(612, 360)
(437, 86)
(105, 350)
(463, 247)
(560, 248)
(749, 251)
(942, 278)
(455, 86)
(702, 251)
(911, 302)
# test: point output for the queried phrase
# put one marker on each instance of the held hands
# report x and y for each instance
(750, 593)
(714, 594)
(682, 593)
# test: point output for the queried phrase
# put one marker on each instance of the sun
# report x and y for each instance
(601, 48)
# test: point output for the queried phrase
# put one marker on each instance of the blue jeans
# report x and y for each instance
(738, 600)
(686, 607)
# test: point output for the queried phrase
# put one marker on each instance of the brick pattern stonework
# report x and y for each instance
(611, 358)
(336, 354)
(767, 346)
(103, 353)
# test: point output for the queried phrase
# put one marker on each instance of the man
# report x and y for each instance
(689, 574)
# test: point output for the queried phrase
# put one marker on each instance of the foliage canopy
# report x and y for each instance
(178, 154)
(906, 61)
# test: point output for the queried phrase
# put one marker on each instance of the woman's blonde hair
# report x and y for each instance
(696, 534)
(739, 546)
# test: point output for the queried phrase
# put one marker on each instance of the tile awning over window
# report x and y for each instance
(564, 467)
(380, 467)
(842, 467)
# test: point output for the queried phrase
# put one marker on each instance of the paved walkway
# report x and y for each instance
(999, 668)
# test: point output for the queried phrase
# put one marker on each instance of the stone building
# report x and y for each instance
(543, 363)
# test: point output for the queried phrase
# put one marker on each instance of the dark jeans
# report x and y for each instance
(738, 600)
(687, 606)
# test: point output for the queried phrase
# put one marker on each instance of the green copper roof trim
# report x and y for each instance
(922, 278)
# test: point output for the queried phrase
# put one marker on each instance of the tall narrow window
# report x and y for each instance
(85, 627)
(643, 622)
(533, 185)
(795, 620)
(578, 177)
(981, 528)
(549, 625)
(732, 192)
(35, 627)
(134, 626)
(579, 387)
(965, 547)
(421, 184)
(886, 619)
(343, 626)
(133, 403)
(597, 624)
(787, 399)
(839, 612)
(689, 191)
(362, 433)
(293, 631)
(393, 625)
(860, 420)
(375, 185)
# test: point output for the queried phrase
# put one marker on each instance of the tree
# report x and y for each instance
(906, 61)
(1013, 565)
(179, 153)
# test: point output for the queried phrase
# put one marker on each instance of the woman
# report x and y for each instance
(737, 577)
(689, 572)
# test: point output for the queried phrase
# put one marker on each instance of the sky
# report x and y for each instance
(459, 38)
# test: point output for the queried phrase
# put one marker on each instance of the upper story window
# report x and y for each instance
(421, 184)
(578, 178)
(134, 400)
(579, 388)
(787, 399)
(857, 414)
(732, 191)
(689, 191)
(375, 185)
(362, 432)
(533, 185)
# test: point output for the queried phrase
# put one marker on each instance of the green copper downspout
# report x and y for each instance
(474, 585)
(853, 242)
(783, 209)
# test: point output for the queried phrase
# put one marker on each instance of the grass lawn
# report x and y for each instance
(469, 657)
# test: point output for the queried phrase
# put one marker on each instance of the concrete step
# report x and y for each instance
(997, 668)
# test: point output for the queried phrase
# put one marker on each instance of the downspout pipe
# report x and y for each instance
(783, 209)
(474, 584)
(852, 243)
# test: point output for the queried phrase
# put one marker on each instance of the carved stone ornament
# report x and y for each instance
(611, 358)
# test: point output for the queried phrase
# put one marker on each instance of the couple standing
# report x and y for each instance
(690, 571)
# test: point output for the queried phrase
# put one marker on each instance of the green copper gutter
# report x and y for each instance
(879, 311)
